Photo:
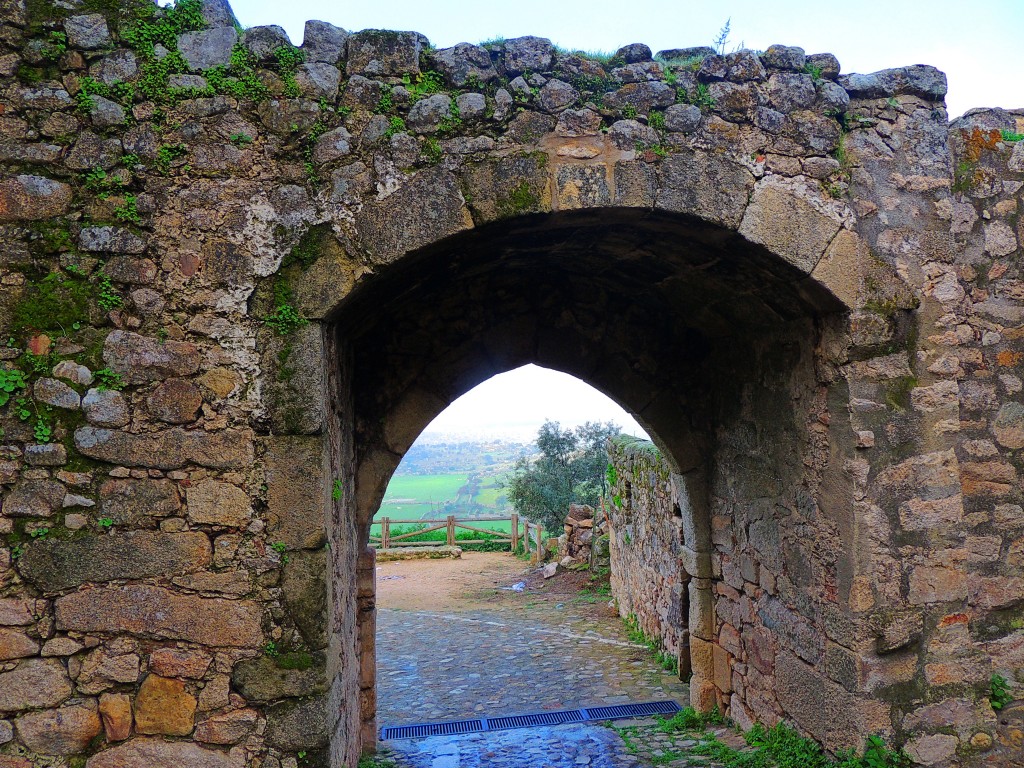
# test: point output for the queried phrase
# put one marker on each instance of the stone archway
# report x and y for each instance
(718, 346)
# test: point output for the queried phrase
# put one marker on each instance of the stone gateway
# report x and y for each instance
(239, 278)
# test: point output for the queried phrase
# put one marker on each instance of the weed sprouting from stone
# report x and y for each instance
(431, 151)
(108, 298)
(128, 211)
(779, 746)
(395, 125)
(999, 692)
(108, 379)
(423, 84)
(11, 382)
(285, 319)
(700, 97)
(813, 70)
(167, 154)
(288, 60)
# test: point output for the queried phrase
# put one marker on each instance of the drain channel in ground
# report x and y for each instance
(507, 722)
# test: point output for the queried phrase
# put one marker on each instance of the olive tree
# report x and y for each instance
(569, 469)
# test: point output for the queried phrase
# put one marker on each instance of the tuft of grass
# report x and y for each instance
(689, 719)
(376, 761)
(783, 747)
(700, 97)
(607, 58)
(813, 70)
(1011, 137)
(635, 633)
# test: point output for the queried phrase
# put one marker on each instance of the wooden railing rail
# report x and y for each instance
(522, 531)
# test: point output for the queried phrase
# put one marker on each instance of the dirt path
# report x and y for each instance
(481, 581)
(465, 584)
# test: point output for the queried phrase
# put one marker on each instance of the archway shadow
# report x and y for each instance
(712, 343)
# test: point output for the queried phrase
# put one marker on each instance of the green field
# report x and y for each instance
(435, 496)
(415, 497)
(425, 488)
(490, 497)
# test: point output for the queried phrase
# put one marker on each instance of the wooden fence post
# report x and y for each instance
(540, 557)
(385, 533)
(515, 532)
(451, 530)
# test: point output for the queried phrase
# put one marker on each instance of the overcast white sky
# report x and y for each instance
(978, 46)
(513, 405)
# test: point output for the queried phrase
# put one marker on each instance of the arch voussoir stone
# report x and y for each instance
(707, 185)
(792, 218)
(419, 211)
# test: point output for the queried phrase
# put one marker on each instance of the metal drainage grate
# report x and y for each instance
(507, 722)
(620, 711)
(450, 728)
(540, 718)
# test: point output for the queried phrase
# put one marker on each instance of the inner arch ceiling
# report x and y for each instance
(641, 305)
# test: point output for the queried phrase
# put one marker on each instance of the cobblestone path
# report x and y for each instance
(563, 746)
(434, 666)
(521, 654)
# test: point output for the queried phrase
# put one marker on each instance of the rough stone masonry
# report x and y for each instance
(238, 278)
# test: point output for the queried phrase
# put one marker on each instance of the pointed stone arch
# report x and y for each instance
(664, 306)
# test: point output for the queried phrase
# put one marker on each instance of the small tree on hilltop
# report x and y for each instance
(569, 470)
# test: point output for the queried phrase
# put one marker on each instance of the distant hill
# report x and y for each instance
(449, 457)
(465, 479)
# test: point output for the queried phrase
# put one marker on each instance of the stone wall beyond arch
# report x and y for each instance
(189, 216)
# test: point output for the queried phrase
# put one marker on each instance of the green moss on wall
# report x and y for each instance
(54, 304)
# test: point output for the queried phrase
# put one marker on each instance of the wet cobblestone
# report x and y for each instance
(562, 746)
(442, 666)
(515, 659)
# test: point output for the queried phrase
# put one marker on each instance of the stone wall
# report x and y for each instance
(238, 278)
(937, 484)
(649, 582)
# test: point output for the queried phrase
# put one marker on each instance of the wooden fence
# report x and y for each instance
(521, 531)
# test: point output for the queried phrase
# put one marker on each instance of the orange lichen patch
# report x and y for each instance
(977, 140)
(1008, 358)
(954, 618)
